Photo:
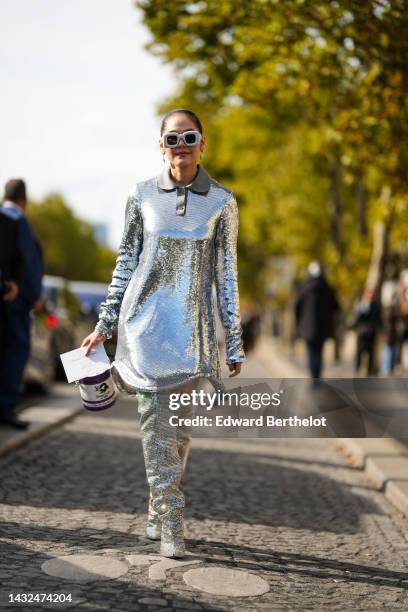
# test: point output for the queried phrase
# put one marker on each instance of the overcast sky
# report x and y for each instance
(78, 97)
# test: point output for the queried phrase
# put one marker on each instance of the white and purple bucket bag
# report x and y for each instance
(98, 392)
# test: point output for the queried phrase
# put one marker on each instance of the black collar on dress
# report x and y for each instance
(201, 183)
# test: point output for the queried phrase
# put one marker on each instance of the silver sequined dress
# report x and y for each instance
(177, 242)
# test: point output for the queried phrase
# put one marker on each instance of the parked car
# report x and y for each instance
(90, 296)
(54, 331)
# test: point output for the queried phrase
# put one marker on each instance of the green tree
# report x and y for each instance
(70, 249)
(306, 108)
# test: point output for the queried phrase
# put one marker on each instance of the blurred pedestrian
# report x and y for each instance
(390, 340)
(316, 307)
(389, 326)
(367, 323)
(251, 322)
(15, 349)
(11, 268)
(402, 324)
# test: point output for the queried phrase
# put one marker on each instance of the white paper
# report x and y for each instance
(77, 365)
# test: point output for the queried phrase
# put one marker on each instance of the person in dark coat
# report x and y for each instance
(402, 325)
(16, 344)
(315, 308)
(11, 268)
(367, 323)
(389, 328)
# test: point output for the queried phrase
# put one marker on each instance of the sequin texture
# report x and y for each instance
(165, 450)
(161, 294)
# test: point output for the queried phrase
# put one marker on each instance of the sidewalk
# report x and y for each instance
(271, 524)
(48, 412)
(344, 368)
(383, 460)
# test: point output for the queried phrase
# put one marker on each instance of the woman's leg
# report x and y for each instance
(184, 432)
(165, 449)
(162, 462)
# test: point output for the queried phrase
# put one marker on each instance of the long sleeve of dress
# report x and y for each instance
(126, 262)
(226, 280)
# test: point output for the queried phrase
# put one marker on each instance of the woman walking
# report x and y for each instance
(180, 235)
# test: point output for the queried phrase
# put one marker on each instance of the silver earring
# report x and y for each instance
(164, 158)
(202, 154)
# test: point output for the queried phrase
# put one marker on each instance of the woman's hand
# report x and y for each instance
(235, 368)
(92, 340)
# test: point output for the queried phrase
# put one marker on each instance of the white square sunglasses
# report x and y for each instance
(190, 137)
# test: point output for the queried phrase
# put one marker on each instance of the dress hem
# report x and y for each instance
(126, 388)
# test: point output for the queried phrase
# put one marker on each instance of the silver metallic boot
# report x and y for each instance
(154, 520)
(154, 526)
(163, 471)
(172, 535)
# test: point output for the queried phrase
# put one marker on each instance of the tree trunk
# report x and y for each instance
(335, 205)
(361, 207)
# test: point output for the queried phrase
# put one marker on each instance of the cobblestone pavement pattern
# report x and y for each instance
(290, 511)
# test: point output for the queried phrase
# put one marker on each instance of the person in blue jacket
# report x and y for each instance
(15, 349)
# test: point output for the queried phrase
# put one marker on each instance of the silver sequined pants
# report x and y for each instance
(165, 449)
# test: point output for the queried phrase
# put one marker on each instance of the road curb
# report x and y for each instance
(52, 414)
(384, 461)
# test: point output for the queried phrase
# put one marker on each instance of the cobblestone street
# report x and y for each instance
(289, 511)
